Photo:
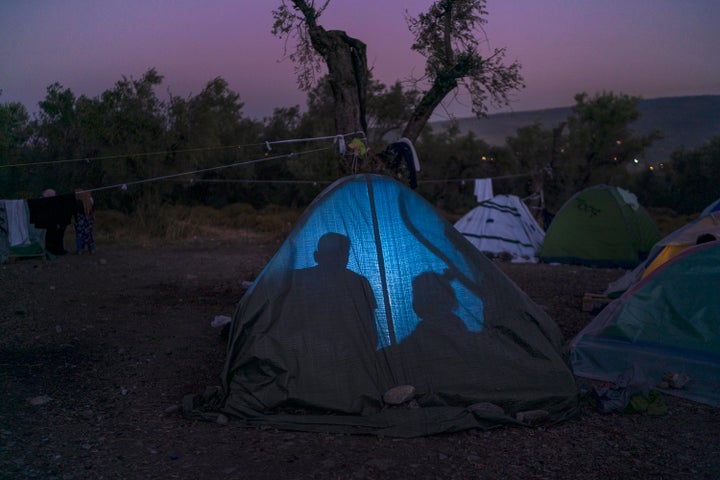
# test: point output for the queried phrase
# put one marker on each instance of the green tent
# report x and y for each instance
(667, 326)
(601, 226)
(373, 290)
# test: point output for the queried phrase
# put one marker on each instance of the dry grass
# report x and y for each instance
(176, 222)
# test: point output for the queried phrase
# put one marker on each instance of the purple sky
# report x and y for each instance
(649, 48)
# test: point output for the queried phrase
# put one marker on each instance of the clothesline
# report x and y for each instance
(313, 182)
(267, 144)
(240, 180)
(462, 180)
(124, 185)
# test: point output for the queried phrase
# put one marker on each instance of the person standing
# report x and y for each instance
(84, 221)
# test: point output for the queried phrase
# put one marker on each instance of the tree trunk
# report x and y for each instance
(346, 59)
(428, 104)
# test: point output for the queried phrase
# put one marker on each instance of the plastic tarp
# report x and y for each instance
(668, 323)
(321, 336)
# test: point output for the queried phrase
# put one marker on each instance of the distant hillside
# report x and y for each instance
(684, 121)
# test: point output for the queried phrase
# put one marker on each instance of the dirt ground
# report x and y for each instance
(97, 351)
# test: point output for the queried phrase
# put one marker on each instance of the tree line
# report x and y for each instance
(128, 135)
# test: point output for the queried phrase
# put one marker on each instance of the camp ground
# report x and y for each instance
(373, 292)
(666, 327)
(600, 226)
(100, 350)
(503, 225)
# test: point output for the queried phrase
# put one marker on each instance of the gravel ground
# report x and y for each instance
(97, 351)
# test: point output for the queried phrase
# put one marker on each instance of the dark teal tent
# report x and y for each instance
(371, 290)
(667, 324)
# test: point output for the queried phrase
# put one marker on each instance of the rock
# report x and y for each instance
(676, 380)
(381, 464)
(220, 321)
(487, 408)
(41, 400)
(532, 417)
(399, 394)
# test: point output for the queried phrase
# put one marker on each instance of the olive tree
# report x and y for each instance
(448, 35)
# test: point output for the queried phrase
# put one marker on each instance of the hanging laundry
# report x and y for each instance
(404, 151)
(17, 222)
(4, 243)
(483, 189)
(54, 215)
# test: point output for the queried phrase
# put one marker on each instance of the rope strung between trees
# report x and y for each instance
(337, 139)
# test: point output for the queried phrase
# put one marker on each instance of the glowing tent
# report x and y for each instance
(372, 290)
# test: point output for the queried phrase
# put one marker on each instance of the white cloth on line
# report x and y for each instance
(17, 219)
(483, 189)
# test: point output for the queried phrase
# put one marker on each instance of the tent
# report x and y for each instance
(503, 225)
(374, 290)
(601, 226)
(713, 207)
(666, 326)
(706, 227)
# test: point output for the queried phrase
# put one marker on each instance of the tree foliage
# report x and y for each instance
(344, 56)
(127, 134)
(696, 174)
(14, 128)
(600, 142)
(449, 35)
(15, 134)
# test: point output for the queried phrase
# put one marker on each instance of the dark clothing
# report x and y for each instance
(54, 215)
(84, 232)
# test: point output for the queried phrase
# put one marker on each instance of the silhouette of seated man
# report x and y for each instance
(328, 323)
(441, 349)
(331, 295)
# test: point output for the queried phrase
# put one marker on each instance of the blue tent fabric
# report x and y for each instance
(374, 289)
(667, 324)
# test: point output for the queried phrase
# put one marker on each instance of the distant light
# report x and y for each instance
(652, 168)
(483, 158)
(618, 142)
(662, 165)
(636, 160)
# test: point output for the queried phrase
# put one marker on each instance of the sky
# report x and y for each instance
(646, 48)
